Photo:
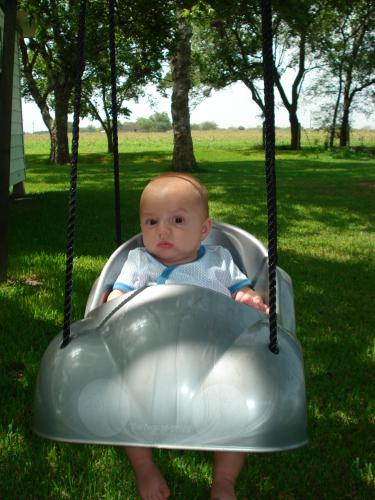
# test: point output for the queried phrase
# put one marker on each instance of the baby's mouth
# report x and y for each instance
(165, 244)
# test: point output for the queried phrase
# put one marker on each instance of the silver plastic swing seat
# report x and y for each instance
(178, 366)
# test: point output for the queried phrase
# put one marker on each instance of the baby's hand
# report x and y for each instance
(114, 294)
(247, 296)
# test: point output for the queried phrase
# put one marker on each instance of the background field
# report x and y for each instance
(326, 208)
(96, 142)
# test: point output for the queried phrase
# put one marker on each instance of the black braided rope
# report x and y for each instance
(270, 167)
(73, 175)
(112, 45)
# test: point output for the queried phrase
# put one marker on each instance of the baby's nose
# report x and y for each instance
(164, 228)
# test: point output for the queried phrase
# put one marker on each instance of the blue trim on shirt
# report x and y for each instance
(237, 286)
(165, 274)
(169, 269)
(122, 287)
(201, 252)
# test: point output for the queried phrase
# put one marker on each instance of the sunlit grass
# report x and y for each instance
(326, 208)
(230, 140)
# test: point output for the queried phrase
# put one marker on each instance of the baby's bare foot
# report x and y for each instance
(222, 489)
(150, 483)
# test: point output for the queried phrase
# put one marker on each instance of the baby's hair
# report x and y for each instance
(202, 190)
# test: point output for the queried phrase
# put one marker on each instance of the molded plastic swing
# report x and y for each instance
(178, 366)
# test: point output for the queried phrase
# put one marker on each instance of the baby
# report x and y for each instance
(175, 220)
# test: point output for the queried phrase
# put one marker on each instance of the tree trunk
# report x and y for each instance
(109, 133)
(295, 132)
(344, 128)
(61, 120)
(332, 132)
(183, 152)
(53, 144)
(264, 135)
(40, 100)
(105, 123)
(336, 111)
(295, 128)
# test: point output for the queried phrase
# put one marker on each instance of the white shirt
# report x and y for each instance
(213, 268)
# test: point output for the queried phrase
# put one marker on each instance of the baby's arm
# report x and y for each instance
(114, 294)
(124, 282)
(248, 296)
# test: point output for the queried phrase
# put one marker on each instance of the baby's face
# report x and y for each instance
(173, 220)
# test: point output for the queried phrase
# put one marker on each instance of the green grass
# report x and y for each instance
(326, 243)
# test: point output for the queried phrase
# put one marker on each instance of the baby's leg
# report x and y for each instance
(227, 466)
(150, 483)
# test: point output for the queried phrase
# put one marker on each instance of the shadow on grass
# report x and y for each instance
(335, 319)
(332, 195)
(335, 335)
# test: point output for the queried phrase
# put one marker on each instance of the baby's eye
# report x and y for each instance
(178, 219)
(150, 222)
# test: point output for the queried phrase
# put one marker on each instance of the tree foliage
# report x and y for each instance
(227, 45)
(158, 122)
(49, 66)
(346, 47)
(209, 44)
(142, 31)
(228, 48)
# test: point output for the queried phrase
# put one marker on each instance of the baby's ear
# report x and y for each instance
(206, 228)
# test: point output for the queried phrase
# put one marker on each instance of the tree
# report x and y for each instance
(49, 67)
(227, 48)
(346, 50)
(158, 122)
(97, 90)
(294, 29)
(49, 59)
(97, 100)
(208, 125)
(354, 55)
(180, 61)
(139, 56)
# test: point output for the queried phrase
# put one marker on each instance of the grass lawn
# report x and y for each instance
(326, 207)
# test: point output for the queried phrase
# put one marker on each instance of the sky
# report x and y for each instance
(230, 107)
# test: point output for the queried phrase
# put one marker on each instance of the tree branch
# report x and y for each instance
(40, 100)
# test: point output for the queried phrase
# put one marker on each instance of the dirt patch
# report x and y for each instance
(33, 281)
